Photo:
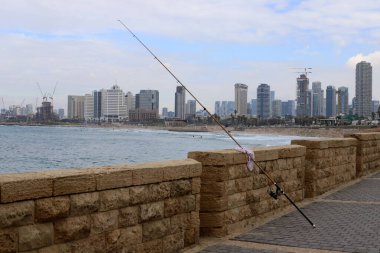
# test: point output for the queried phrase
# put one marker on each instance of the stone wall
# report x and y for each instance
(151, 207)
(233, 198)
(368, 152)
(329, 163)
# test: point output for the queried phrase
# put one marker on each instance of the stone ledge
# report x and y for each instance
(326, 143)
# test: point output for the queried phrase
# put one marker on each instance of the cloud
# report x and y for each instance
(373, 58)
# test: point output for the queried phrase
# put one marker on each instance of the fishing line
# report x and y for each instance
(279, 191)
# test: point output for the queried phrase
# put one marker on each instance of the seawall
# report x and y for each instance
(166, 206)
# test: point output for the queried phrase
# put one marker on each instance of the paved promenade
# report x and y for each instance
(347, 220)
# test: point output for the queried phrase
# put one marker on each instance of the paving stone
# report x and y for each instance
(377, 175)
(348, 227)
(367, 190)
(222, 248)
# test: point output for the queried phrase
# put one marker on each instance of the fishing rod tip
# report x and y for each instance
(314, 226)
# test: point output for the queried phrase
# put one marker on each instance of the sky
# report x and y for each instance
(208, 44)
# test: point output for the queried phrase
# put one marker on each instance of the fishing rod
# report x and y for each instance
(274, 194)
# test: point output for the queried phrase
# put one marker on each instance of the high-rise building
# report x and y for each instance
(342, 107)
(180, 102)
(375, 106)
(130, 101)
(241, 91)
(272, 97)
(164, 112)
(97, 104)
(254, 107)
(191, 107)
(317, 99)
(88, 107)
(302, 89)
(146, 106)
(61, 113)
(330, 101)
(75, 107)
(309, 103)
(113, 104)
(276, 108)
(263, 101)
(217, 109)
(363, 89)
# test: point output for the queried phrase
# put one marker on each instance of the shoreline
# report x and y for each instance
(327, 132)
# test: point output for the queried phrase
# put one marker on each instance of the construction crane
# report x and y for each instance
(44, 96)
(305, 71)
(52, 94)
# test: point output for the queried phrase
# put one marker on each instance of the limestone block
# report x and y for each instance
(155, 229)
(74, 183)
(289, 164)
(291, 151)
(365, 136)
(179, 222)
(73, 228)
(238, 171)
(244, 184)
(212, 203)
(181, 169)
(215, 219)
(191, 236)
(218, 157)
(49, 209)
(95, 244)
(237, 214)
(35, 236)
(299, 162)
(104, 221)
(16, 214)
(8, 240)
(129, 216)
(173, 243)
(84, 203)
(113, 199)
(214, 188)
(214, 231)
(113, 178)
(180, 188)
(154, 246)
(282, 164)
(266, 153)
(214, 173)
(152, 211)
(315, 143)
(237, 199)
(230, 188)
(23, 186)
(195, 185)
(148, 175)
(257, 195)
(260, 181)
(341, 142)
(58, 248)
(149, 193)
(183, 204)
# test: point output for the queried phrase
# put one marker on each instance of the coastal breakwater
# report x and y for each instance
(166, 206)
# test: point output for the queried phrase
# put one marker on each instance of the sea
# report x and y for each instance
(36, 148)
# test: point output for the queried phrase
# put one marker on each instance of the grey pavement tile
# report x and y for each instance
(367, 190)
(223, 248)
(377, 175)
(340, 226)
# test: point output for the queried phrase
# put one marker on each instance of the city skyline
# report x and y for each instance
(222, 44)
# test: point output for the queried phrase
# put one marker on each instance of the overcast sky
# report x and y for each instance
(209, 44)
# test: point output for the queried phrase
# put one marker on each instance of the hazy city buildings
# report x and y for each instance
(342, 107)
(363, 89)
(89, 107)
(302, 89)
(97, 104)
(164, 112)
(241, 91)
(263, 101)
(180, 99)
(113, 104)
(272, 97)
(375, 106)
(330, 101)
(61, 113)
(191, 109)
(75, 107)
(254, 107)
(317, 99)
(276, 108)
(146, 107)
(130, 101)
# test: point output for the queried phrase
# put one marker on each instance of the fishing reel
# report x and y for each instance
(275, 193)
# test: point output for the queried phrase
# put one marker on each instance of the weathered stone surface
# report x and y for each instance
(114, 199)
(315, 143)
(180, 188)
(238, 171)
(265, 153)
(73, 228)
(73, 183)
(218, 157)
(48, 209)
(58, 248)
(195, 185)
(152, 211)
(154, 246)
(93, 244)
(16, 214)
(8, 240)
(114, 177)
(23, 186)
(129, 216)
(155, 229)
(237, 199)
(104, 221)
(35, 236)
(149, 193)
(214, 173)
(215, 219)
(291, 151)
(179, 205)
(84, 203)
(148, 173)
(173, 243)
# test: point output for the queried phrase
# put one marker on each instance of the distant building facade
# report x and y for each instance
(276, 108)
(302, 90)
(241, 91)
(180, 102)
(363, 89)
(330, 101)
(75, 107)
(113, 104)
(317, 99)
(89, 107)
(263, 101)
(342, 107)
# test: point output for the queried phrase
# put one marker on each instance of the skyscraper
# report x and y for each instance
(88, 107)
(302, 88)
(263, 101)
(342, 100)
(113, 104)
(363, 89)
(130, 101)
(272, 97)
(317, 99)
(191, 108)
(276, 108)
(97, 104)
(241, 91)
(180, 100)
(254, 107)
(75, 107)
(217, 108)
(330, 101)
